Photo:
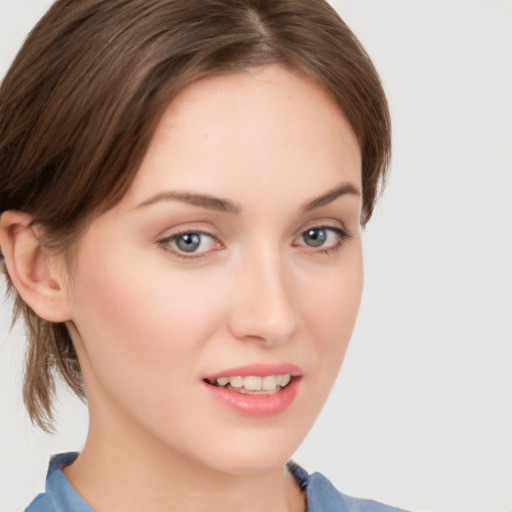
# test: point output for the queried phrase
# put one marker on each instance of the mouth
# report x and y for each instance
(256, 389)
(253, 384)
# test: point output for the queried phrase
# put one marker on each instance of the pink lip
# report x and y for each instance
(258, 370)
(257, 405)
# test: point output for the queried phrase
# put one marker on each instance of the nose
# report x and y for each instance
(264, 307)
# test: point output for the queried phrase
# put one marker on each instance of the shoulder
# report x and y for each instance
(322, 496)
(40, 504)
(59, 496)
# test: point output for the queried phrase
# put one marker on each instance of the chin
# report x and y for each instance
(253, 451)
(251, 463)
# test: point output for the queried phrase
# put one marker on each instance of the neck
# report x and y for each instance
(122, 468)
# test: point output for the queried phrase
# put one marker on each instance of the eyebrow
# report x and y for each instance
(226, 206)
(331, 195)
(201, 200)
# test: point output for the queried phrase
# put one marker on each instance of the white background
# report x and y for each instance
(421, 416)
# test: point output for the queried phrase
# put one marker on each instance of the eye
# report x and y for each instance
(323, 237)
(189, 242)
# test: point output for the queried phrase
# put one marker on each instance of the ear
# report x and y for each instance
(39, 277)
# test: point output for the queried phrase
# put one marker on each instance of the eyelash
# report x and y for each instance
(165, 243)
(342, 237)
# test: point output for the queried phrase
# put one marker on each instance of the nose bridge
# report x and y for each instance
(264, 304)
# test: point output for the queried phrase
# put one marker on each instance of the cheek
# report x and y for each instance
(332, 308)
(334, 301)
(139, 323)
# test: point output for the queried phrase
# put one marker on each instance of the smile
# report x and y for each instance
(255, 389)
(253, 384)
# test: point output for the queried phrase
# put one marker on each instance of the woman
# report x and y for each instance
(183, 189)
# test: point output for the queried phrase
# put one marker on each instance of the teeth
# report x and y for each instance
(283, 380)
(270, 383)
(251, 383)
(236, 382)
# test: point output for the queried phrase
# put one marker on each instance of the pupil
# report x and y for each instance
(315, 237)
(188, 242)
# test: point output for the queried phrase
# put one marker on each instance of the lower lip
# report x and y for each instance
(256, 405)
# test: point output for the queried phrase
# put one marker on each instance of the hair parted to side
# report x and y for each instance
(85, 93)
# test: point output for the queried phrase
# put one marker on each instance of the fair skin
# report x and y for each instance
(170, 288)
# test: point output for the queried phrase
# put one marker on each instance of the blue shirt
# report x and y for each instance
(321, 494)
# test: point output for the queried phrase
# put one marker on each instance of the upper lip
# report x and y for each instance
(258, 370)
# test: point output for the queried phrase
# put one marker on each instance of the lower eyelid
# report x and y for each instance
(168, 243)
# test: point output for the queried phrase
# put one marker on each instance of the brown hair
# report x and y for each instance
(82, 99)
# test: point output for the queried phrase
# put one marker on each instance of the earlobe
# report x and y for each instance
(37, 276)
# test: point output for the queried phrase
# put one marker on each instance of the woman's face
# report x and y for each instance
(235, 256)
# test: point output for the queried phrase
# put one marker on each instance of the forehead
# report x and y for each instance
(224, 132)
